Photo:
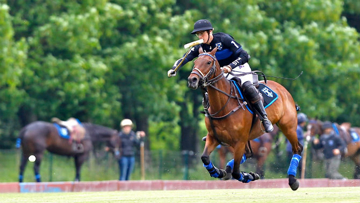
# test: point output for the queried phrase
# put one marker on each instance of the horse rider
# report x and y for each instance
(231, 56)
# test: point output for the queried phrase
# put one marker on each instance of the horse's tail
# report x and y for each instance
(297, 107)
(21, 136)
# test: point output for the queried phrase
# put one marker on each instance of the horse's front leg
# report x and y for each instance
(244, 177)
(210, 145)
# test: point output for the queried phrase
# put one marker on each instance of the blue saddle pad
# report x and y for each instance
(63, 131)
(354, 136)
(268, 94)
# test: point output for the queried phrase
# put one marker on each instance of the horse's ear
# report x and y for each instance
(201, 50)
(214, 51)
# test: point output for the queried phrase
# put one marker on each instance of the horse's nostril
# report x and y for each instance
(194, 79)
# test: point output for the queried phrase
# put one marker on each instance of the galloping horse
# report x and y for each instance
(39, 135)
(261, 148)
(345, 132)
(228, 123)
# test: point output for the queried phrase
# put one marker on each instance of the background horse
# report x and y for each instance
(343, 130)
(230, 124)
(261, 148)
(39, 136)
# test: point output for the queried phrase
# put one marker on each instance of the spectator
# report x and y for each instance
(332, 146)
(302, 119)
(129, 139)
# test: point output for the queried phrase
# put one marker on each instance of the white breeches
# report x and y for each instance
(245, 68)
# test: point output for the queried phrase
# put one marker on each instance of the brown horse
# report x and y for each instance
(344, 131)
(228, 123)
(261, 148)
(39, 136)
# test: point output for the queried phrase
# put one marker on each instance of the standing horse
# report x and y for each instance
(261, 148)
(228, 123)
(40, 136)
(345, 133)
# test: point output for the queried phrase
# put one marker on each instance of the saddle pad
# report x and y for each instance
(268, 94)
(63, 131)
(354, 136)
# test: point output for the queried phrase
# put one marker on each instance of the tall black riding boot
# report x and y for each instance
(263, 116)
(252, 94)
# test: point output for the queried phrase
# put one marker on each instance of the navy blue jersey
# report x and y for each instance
(229, 51)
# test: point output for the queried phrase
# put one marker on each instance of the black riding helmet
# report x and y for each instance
(202, 25)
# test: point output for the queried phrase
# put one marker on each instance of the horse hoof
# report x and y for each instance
(255, 175)
(227, 176)
(295, 185)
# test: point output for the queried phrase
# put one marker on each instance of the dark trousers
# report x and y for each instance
(126, 166)
(332, 167)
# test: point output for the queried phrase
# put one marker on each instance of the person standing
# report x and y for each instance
(333, 146)
(129, 140)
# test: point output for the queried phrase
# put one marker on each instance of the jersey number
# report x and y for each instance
(232, 42)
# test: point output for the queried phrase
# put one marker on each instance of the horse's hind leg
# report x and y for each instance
(356, 160)
(38, 160)
(210, 145)
(289, 130)
(24, 160)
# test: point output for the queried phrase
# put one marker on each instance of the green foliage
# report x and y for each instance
(104, 60)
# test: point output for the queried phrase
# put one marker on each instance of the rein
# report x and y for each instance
(211, 82)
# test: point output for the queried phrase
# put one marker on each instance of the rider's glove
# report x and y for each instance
(171, 73)
(226, 69)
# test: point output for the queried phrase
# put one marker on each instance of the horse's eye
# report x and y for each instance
(209, 62)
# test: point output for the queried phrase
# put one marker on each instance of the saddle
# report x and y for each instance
(267, 95)
(350, 134)
(76, 130)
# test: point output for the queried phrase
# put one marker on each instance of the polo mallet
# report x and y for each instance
(186, 46)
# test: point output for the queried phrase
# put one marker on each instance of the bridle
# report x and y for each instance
(212, 71)
(210, 82)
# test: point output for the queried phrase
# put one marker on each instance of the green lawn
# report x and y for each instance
(313, 195)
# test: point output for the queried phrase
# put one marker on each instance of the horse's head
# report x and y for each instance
(100, 133)
(315, 127)
(204, 70)
(113, 143)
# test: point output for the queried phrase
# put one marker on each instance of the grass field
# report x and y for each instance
(313, 195)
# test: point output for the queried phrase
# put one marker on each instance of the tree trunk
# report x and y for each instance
(189, 124)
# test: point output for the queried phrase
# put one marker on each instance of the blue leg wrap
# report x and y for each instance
(243, 159)
(241, 177)
(20, 178)
(38, 178)
(231, 162)
(212, 170)
(18, 143)
(294, 164)
(246, 177)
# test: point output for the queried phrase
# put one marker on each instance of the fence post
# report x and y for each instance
(186, 164)
(50, 167)
(142, 159)
(160, 164)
